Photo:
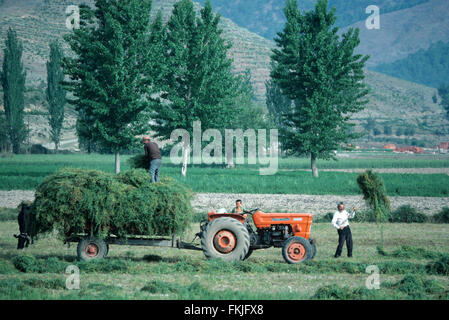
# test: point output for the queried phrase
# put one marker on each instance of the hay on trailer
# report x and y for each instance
(75, 201)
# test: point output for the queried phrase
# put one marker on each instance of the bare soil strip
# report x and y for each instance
(316, 204)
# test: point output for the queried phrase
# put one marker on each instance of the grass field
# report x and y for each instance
(25, 172)
(158, 273)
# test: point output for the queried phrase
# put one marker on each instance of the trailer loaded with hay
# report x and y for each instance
(97, 209)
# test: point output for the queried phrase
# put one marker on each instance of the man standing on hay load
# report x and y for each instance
(340, 221)
(153, 158)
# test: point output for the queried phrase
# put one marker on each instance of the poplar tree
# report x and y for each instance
(199, 84)
(278, 105)
(317, 68)
(443, 92)
(111, 74)
(12, 79)
(55, 93)
(4, 141)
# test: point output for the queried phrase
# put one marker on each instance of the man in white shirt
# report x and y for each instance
(340, 221)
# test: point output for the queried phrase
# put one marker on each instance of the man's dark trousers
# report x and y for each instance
(155, 164)
(344, 235)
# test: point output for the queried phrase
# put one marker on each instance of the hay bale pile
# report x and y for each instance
(76, 201)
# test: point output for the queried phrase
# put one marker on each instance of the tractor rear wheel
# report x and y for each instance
(296, 250)
(225, 238)
(92, 249)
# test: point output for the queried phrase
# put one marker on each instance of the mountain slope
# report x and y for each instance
(428, 67)
(265, 17)
(394, 102)
(405, 32)
(38, 22)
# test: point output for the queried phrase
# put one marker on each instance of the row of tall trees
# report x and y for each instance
(13, 130)
(128, 72)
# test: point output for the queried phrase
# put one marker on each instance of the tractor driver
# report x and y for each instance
(238, 207)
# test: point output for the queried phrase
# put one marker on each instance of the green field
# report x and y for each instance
(25, 172)
(158, 273)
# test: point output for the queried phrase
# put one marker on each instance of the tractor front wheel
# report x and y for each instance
(296, 250)
(92, 249)
(225, 238)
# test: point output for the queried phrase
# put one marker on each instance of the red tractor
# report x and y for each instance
(230, 236)
(227, 236)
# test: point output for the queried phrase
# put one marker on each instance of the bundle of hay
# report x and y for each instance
(75, 201)
(375, 196)
(374, 193)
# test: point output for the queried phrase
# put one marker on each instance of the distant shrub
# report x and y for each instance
(38, 149)
(408, 214)
(442, 216)
(364, 216)
(326, 218)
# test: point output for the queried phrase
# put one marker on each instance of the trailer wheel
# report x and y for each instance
(225, 238)
(92, 249)
(296, 250)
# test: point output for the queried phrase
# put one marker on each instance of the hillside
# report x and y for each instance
(266, 18)
(399, 103)
(405, 32)
(403, 104)
(38, 22)
(429, 67)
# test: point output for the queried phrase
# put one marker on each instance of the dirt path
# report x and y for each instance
(320, 205)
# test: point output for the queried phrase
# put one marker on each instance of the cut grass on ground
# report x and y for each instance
(410, 268)
(25, 172)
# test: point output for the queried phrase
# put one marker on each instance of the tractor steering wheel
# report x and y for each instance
(252, 211)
